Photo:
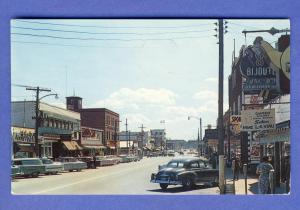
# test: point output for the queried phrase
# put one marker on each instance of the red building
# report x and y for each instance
(99, 118)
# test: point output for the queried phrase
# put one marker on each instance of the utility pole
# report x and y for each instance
(201, 137)
(126, 125)
(142, 131)
(37, 118)
(116, 137)
(198, 143)
(220, 107)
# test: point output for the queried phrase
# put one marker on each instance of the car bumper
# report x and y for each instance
(170, 182)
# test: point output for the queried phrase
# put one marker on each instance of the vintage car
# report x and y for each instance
(89, 161)
(186, 172)
(105, 161)
(15, 171)
(52, 167)
(114, 158)
(71, 164)
(29, 167)
(123, 159)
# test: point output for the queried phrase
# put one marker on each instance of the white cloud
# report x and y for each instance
(134, 98)
(205, 94)
(211, 79)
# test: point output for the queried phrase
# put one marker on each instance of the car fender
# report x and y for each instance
(185, 174)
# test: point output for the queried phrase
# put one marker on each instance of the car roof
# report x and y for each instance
(187, 159)
(16, 159)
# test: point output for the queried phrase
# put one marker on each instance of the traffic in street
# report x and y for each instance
(124, 178)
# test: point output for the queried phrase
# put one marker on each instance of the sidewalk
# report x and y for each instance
(238, 187)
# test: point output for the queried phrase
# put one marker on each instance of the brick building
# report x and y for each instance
(99, 118)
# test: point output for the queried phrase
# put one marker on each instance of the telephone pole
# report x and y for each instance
(126, 125)
(142, 131)
(220, 107)
(37, 117)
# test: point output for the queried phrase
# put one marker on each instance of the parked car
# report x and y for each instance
(52, 167)
(29, 167)
(88, 160)
(186, 172)
(15, 171)
(105, 161)
(71, 164)
(171, 153)
(114, 158)
(123, 158)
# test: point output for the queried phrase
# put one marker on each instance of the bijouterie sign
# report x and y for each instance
(258, 120)
(258, 70)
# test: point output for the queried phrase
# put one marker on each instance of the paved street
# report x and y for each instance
(124, 178)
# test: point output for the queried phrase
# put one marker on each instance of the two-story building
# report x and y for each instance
(58, 130)
(98, 118)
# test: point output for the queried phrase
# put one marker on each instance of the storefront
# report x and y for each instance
(92, 141)
(23, 142)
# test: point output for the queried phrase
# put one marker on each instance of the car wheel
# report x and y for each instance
(78, 170)
(35, 175)
(70, 170)
(163, 186)
(188, 183)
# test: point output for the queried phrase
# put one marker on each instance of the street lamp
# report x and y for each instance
(198, 118)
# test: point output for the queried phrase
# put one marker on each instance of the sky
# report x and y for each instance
(148, 71)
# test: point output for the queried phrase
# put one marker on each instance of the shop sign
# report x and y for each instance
(253, 99)
(276, 137)
(235, 124)
(256, 68)
(211, 134)
(24, 135)
(258, 120)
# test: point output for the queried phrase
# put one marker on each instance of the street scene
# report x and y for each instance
(156, 106)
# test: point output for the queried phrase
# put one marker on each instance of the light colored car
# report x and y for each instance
(15, 171)
(72, 164)
(52, 167)
(29, 167)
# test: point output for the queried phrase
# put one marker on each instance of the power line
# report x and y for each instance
(106, 39)
(110, 33)
(68, 45)
(242, 25)
(98, 26)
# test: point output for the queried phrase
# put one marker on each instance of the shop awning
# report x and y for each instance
(72, 145)
(93, 147)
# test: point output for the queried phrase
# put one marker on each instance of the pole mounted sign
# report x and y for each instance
(258, 70)
(258, 120)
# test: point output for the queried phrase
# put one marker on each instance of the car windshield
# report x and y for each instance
(47, 161)
(31, 162)
(175, 164)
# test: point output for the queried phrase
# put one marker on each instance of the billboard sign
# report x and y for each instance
(258, 120)
(258, 70)
(235, 124)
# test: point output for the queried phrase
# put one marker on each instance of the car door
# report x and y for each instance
(195, 169)
(209, 174)
(205, 172)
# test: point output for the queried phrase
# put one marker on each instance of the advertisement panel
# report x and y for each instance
(257, 69)
(235, 124)
(258, 120)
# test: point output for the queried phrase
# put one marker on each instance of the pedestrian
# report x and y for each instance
(263, 169)
(94, 161)
(236, 168)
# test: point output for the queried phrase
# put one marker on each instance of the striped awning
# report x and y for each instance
(93, 147)
(72, 145)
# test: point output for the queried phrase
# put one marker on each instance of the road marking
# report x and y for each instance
(87, 180)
